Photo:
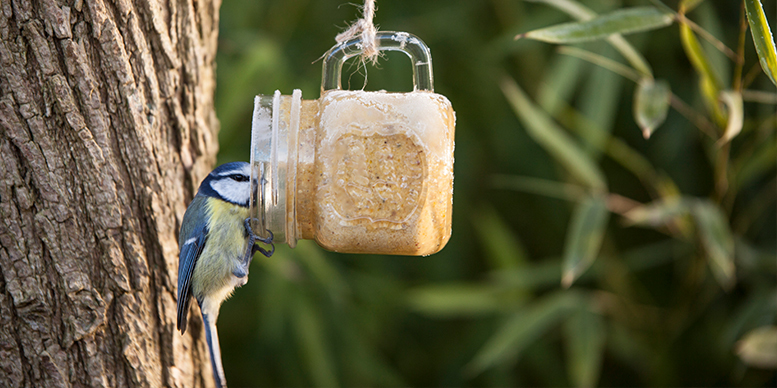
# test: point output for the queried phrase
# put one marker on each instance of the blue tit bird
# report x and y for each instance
(217, 245)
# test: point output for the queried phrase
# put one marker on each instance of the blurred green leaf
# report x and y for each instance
(585, 339)
(623, 21)
(539, 186)
(712, 226)
(736, 115)
(628, 345)
(631, 54)
(521, 329)
(658, 213)
(598, 102)
(689, 5)
(584, 237)
(760, 162)
(710, 83)
(637, 164)
(547, 133)
(560, 82)
(760, 260)
(547, 273)
(312, 257)
(546, 361)
(571, 7)
(718, 241)
(759, 347)
(583, 13)
(651, 104)
(762, 38)
(601, 61)
(758, 309)
(312, 344)
(543, 275)
(364, 365)
(708, 27)
(668, 212)
(461, 299)
(261, 59)
(275, 302)
(504, 249)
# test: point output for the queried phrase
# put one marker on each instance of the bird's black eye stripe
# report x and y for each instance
(239, 177)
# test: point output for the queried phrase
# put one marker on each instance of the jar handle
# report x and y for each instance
(405, 42)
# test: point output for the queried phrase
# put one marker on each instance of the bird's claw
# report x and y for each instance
(266, 240)
(263, 251)
(252, 240)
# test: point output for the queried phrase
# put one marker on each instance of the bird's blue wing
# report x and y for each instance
(193, 237)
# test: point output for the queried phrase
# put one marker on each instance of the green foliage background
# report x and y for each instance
(649, 252)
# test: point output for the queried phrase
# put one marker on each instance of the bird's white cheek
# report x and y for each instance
(235, 192)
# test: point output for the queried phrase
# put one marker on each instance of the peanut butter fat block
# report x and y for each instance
(374, 171)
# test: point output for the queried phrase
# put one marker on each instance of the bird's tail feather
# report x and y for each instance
(212, 336)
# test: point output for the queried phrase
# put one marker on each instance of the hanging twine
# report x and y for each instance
(367, 30)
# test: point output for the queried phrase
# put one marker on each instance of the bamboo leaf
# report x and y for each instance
(751, 313)
(689, 5)
(312, 343)
(758, 163)
(762, 38)
(624, 21)
(583, 13)
(534, 277)
(600, 97)
(521, 329)
(668, 211)
(759, 347)
(736, 115)
(503, 248)
(363, 359)
(718, 241)
(323, 270)
(571, 7)
(551, 137)
(651, 103)
(710, 83)
(539, 186)
(585, 337)
(601, 61)
(631, 54)
(559, 85)
(696, 54)
(455, 300)
(658, 213)
(584, 238)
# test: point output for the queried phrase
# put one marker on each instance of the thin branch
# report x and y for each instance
(721, 171)
(751, 74)
(759, 96)
(602, 61)
(708, 37)
(693, 116)
(619, 204)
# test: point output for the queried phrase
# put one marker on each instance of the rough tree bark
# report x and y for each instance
(106, 125)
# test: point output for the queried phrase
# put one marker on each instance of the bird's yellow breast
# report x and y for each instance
(224, 249)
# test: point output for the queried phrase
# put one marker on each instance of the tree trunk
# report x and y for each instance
(106, 126)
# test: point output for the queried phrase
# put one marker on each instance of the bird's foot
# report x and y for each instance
(253, 239)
